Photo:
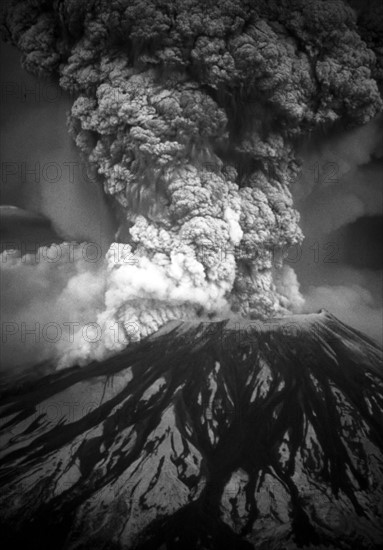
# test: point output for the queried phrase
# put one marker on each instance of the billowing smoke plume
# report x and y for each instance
(189, 112)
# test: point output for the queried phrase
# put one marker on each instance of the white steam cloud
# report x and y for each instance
(47, 298)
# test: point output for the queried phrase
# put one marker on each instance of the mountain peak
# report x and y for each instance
(209, 434)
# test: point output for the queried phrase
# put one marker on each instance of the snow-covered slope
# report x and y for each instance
(208, 435)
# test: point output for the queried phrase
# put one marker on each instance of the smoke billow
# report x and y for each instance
(341, 182)
(189, 114)
(49, 300)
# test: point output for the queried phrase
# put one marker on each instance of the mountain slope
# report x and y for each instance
(206, 435)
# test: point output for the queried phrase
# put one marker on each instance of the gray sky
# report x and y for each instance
(41, 170)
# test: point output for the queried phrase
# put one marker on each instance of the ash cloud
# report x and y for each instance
(190, 113)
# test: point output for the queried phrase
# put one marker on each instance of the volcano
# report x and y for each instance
(209, 435)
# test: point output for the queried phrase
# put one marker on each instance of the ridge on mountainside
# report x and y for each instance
(211, 435)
